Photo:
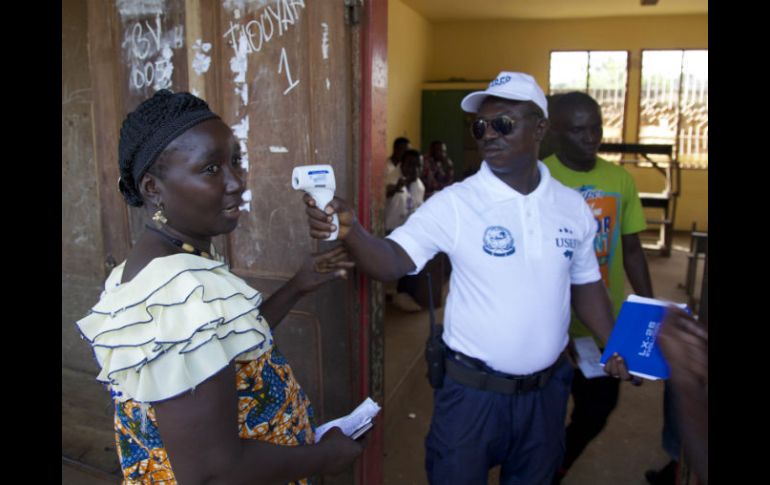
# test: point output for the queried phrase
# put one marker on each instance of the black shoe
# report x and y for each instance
(664, 476)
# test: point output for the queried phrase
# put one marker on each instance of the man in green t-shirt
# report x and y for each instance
(576, 125)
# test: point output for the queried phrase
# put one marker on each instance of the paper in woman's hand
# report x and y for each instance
(354, 424)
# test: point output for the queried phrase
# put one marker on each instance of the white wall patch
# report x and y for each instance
(241, 130)
(325, 40)
(239, 64)
(246, 201)
(140, 8)
(275, 149)
(242, 91)
(164, 68)
(201, 62)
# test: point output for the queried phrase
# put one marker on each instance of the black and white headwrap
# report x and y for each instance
(148, 130)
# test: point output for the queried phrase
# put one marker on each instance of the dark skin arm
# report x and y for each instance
(381, 259)
(428, 178)
(448, 169)
(198, 434)
(592, 306)
(315, 271)
(635, 265)
(684, 343)
(391, 189)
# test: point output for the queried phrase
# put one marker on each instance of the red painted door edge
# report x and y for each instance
(374, 80)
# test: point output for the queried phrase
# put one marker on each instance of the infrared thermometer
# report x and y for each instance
(318, 181)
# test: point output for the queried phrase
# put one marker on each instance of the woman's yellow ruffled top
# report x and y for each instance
(179, 321)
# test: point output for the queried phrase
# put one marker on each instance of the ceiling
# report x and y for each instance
(549, 9)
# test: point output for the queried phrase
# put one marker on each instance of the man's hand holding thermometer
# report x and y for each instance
(318, 181)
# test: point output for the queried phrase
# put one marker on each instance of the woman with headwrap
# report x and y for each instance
(201, 393)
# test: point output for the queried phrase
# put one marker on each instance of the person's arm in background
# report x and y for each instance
(589, 297)
(592, 306)
(450, 170)
(635, 265)
(632, 223)
(381, 259)
(391, 189)
(428, 177)
(684, 343)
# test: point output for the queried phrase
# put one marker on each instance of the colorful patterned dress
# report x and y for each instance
(202, 317)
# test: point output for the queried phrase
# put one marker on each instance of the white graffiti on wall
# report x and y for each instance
(246, 206)
(246, 38)
(271, 21)
(325, 40)
(201, 61)
(140, 8)
(239, 64)
(149, 52)
(325, 49)
(241, 132)
(285, 62)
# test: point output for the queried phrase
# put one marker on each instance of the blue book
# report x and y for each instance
(634, 335)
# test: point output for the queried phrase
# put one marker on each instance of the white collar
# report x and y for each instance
(500, 191)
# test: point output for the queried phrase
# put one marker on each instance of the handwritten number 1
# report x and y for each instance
(285, 61)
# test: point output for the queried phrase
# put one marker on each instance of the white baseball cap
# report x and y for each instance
(509, 85)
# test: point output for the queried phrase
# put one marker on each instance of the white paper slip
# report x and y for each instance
(360, 431)
(588, 357)
(355, 423)
(654, 301)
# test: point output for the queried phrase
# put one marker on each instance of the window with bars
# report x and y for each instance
(674, 103)
(601, 74)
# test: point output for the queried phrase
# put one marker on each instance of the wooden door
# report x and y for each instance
(286, 76)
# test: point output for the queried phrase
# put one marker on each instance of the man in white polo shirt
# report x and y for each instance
(521, 247)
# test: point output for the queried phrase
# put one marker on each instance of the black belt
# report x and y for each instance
(470, 372)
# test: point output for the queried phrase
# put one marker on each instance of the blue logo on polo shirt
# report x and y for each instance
(565, 241)
(498, 241)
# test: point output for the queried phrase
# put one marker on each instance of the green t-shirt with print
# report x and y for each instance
(611, 193)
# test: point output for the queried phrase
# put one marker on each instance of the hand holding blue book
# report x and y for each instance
(634, 334)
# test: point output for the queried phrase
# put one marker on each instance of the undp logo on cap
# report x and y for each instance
(500, 81)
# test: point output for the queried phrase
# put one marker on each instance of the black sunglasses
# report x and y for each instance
(502, 124)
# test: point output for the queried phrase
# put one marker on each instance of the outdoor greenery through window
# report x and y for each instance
(603, 75)
(674, 103)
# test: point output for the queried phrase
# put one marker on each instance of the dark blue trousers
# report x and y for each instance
(473, 431)
(594, 401)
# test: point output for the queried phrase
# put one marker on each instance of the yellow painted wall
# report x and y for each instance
(409, 46)
(420, 52)
(478, 50)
